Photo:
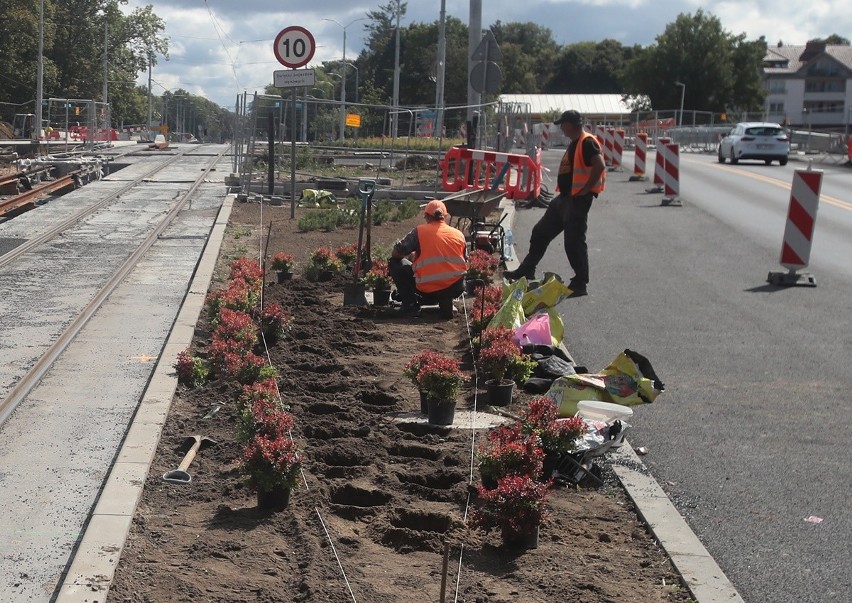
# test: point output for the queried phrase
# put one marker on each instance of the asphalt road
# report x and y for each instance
(749, 438)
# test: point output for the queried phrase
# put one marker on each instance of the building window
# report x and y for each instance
(823, 68)
(776, 108)
(824, 106)
(776, 87)
(825, 85)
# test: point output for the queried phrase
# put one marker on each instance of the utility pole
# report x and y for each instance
(441, 60)
(396, 77)
(150, 116)
(473, 40)
(40, 85)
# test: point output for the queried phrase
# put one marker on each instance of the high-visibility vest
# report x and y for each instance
(581, 171)
(441, 261)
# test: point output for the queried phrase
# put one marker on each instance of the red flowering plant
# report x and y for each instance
(191, 370)
(486, 303)
(440, 377)
(498, 350)
(264, 416)
(516, 506)
(411, 370)
(247, 270)
(274, 321)
(507, 451)
(378, 277)
(271, 462)
(238, 295)
(481, 266)
(347, 254)
(557, 435)
(264, 389)
(322, 259)
(232, 345)
(282, 262)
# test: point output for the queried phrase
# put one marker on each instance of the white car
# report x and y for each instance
(755, 140)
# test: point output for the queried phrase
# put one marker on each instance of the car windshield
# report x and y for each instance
(764, 131)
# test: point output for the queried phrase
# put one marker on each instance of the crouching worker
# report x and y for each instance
(436, 272)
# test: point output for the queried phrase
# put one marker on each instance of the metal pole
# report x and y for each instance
(150, 116)
(343, 92)
(439, 84)
(682, 94)
(396, 76)
(293, 161)
(40, 85)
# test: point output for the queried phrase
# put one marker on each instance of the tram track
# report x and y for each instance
(25, 384)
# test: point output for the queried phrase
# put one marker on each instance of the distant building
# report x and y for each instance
(809, 85)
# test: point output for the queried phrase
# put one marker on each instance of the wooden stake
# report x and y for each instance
(444, 571)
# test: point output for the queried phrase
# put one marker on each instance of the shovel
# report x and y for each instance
(354, 294)
(194, 443)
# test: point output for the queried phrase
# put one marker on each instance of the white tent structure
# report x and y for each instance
(545, 107)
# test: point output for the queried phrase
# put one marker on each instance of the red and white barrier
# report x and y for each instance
(617, 148)
(473, 169)
(640, 152)
(799, 230)
(659, 164)
(671, 171)
(609, 134)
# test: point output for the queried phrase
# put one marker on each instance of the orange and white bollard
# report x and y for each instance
(799, 231)
(617, 149)
(609, 134)
(671, 173)
(640, 152)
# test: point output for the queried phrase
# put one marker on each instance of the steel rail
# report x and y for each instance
(21, 389)
(34, 194)
(49, 234)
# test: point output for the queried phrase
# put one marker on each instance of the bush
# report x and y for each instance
(191, 370)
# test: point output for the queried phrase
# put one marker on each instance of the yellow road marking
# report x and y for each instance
(787, 186)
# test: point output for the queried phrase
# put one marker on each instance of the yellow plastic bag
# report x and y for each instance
(511, 313)
(557, 327)
(548, 294)
(568, 390)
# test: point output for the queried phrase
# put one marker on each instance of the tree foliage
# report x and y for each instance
(591, 67)
(529, 52)
(833, 39)
(720, 71)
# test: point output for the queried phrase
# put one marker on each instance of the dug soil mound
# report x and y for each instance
(381, 500)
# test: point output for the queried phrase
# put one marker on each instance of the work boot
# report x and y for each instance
(409, 310)
(522, 270)
(445, 308)
(577, 289)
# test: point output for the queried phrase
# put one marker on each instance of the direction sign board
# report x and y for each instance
(294, 46)
(287, 78)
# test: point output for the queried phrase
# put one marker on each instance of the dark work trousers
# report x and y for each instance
(568, 215)
(402, 273)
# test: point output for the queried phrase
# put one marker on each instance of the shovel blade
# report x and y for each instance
(177, 476)
(354, 294)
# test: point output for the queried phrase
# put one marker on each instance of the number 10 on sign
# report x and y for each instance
(294, 47)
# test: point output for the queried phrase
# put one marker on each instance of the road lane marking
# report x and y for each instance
(775, 182)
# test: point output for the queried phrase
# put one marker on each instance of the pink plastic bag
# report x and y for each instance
(535, 330)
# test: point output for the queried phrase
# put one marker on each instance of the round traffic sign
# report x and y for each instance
(294, 46)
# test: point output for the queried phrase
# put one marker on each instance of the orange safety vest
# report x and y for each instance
(581, 171)
(441, 261)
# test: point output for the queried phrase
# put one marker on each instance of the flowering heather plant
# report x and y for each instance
(271, 462)
(347, 254)
(481, 265)
(498, 351)
(264, 417)
(516, 505)
(378, 277)
(247, 270)
(191, 370)
(508, 452)
(282, 262)
(440, 377)
(557, 435)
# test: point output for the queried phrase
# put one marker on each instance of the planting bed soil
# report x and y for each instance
(387, 495)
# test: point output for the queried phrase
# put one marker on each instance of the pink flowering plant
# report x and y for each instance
(485, 306)
(322, 259)
(507, 451)
(347, 254)
(264, 389)
(557, 435)
(378, 276)
(516, 506)
(238, 294)
(411, 370)
(274, 321)
(247, 270)
(264, 416)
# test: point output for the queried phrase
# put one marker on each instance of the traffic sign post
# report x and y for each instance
(294, 47)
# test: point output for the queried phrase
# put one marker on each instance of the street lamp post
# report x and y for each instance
(343, 85)
(682, 94)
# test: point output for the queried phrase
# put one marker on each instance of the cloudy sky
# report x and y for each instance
(222, 48)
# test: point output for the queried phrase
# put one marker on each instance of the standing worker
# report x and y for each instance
(439, 265)
(581, 178)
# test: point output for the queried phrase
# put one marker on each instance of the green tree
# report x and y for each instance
(591, 68)
(833, 39)
(720, 70)
(529, 52)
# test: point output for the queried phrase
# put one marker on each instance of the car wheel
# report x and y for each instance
(734, 159)
(721, 157)
(767, 161)
(783, 161)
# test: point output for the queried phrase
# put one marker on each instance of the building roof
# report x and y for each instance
(791, 57)
(589, 105)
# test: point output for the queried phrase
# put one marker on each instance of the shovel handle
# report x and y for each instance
(190, 456)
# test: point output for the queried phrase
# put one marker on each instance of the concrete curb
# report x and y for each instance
(93, 566)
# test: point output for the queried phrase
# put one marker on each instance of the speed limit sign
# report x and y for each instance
(294, 47)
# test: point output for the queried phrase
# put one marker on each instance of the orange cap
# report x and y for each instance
(436, 209)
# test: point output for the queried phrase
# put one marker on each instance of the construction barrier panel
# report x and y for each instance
(801, 217)
(617, 148)
(671, 171)
(659, 165)
(517, 176)
(640, 153)
(609, 134)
